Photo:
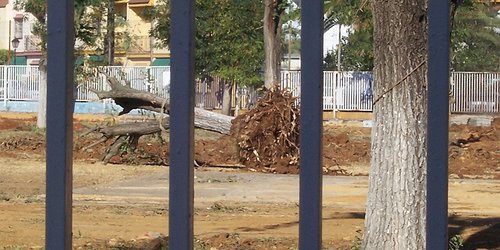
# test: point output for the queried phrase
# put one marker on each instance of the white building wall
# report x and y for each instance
(6, 15)
(7, 18)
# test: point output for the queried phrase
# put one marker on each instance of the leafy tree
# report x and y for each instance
(228, 40)
(290, 38)
(3, 56)
(84, 27)
(357, 48)
(348, 12)
(109, 39)
(84, 32)
(356, 53)
(475, 38)
(474, 45)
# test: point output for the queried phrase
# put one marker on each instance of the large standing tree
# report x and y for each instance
(395, 214)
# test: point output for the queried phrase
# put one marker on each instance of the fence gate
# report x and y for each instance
(60, 108)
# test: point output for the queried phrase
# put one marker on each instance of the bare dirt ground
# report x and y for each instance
(125, 205)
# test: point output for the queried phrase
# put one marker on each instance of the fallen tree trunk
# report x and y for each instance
(129, 133)
(130, 99)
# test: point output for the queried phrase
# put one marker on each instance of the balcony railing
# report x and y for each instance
(32, 43)
(134, 44)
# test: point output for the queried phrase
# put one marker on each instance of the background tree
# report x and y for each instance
(357, 13)
(357, 47)
(109, 39)
(3, 56)
(290, 37)
(357, 52)
(475, 38)
(84, 33)
(273, 13)
(228, 41)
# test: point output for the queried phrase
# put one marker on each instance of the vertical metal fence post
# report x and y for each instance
(6, 87)
(437, 125)
(181, 188)
(311, 127)
(60, 35)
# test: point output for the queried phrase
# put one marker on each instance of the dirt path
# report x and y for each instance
(123, 202)
(345, 192)
(233, 208)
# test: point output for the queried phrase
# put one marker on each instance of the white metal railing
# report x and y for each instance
(475, 92)
(19, 83)
(470, 92)
(341, 90)
(155, 79)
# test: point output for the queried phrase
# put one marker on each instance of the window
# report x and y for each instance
(18, 26)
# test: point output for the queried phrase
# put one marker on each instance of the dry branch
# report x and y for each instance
(129, 133)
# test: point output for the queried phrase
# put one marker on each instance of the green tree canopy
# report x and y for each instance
(356, 52)
(3, 56)
(229, 40)
(474, 45)
(348, 12)
(84, 23)
(475, 38)
(357, 48)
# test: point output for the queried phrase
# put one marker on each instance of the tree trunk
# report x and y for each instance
(130, 133)
(226, 97)
(396, 212)
(272, 42)
(109, 41)
(130, 99)
(41, 121)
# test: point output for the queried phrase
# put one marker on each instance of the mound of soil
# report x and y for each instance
(474, 152)
(267, 136)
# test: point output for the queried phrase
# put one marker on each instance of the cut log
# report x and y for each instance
(130, 99)
(129, 133)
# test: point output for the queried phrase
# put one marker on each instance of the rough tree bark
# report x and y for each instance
(130, 99)
(129, 133)
(226, 97)
(272, 41)
(395, 214)
(109, 40)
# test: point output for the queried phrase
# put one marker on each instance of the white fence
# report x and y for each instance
(341, 90)
(475, 92)
(470, 92)
(154, 79)
(19, 83)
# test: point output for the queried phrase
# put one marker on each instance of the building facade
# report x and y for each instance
(133, 44)
(16, 35)
(135, 47)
